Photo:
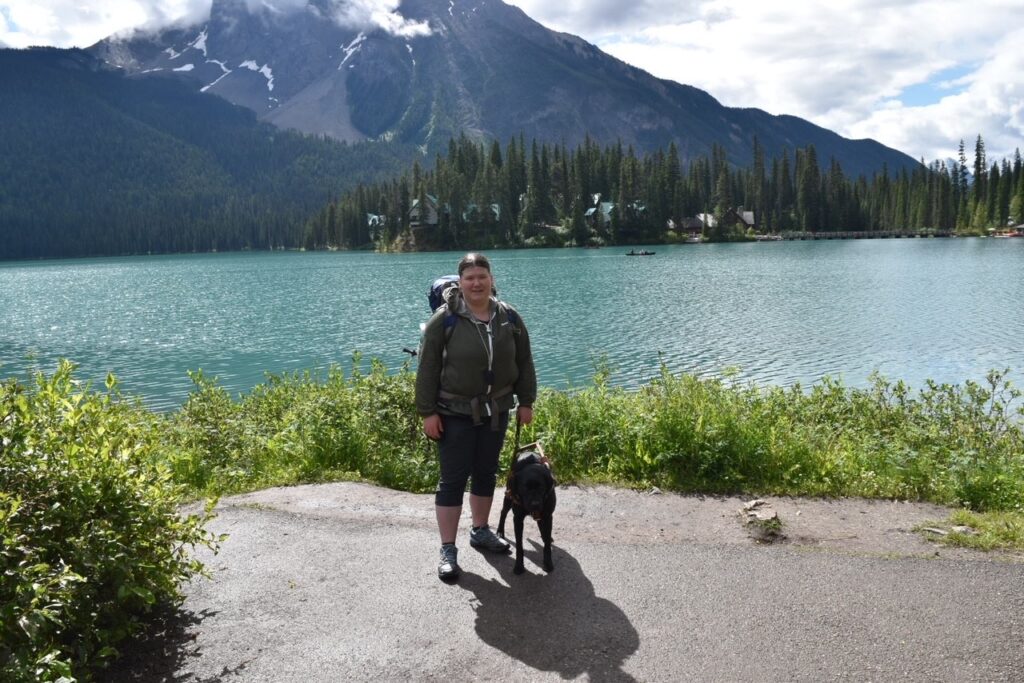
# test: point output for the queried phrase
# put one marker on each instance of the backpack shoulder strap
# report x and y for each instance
(451, 319)
(510, 315)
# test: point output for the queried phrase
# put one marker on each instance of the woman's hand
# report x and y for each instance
(525, 415)
(433, 427)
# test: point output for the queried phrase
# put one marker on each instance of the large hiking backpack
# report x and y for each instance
(439, 288)
(440, 293)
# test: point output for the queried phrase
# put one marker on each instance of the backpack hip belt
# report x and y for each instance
(476, 401)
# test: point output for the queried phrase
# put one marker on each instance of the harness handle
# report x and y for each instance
(536, 446)
(515, 451)
(519, 426)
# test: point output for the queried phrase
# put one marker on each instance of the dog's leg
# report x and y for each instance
(517, 522)
(506, 505)
(545, 533)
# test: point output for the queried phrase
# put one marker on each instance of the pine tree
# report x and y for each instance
(992, 196)
(1004, 193)
(980, 186)
(809, 190)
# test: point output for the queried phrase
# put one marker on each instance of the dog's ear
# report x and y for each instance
(549, 478)
(524, 460)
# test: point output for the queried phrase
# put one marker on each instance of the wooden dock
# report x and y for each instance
(868, 235)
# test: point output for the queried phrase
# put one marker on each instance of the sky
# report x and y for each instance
(916, 75)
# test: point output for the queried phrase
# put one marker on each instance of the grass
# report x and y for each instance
(981, 530)
(955, 445)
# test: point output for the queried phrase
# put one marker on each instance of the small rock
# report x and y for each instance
(654, 491)
(933, 530)
(762, 515)
(965, 530)
(759, 511)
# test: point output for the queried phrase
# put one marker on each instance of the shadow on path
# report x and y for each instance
(552, 622)
(163, 649)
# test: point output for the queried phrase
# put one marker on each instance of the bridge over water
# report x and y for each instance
(866, 234)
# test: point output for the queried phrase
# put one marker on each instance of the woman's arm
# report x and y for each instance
(431, 358)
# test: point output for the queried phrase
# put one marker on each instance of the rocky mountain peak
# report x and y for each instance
(438, 68)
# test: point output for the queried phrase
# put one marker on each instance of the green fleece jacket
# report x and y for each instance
(460, 366)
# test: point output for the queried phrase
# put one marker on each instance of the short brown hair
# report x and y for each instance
(474, 259)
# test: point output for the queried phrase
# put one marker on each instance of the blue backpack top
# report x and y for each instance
(438, 293)
(438, 289)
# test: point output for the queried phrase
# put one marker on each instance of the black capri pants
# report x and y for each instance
(468, 453)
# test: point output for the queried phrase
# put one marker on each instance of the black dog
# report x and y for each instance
(530, 491)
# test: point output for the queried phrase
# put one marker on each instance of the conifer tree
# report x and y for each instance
(809, 190)
(992, 195)
(980, 186)
(1004, 193)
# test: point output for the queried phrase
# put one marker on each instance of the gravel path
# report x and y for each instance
(337, 582)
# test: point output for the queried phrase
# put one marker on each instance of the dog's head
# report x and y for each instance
(531, 482)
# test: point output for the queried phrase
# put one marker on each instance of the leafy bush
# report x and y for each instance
(957, 445)
(949, 444)
(299, 428)
(89, 525)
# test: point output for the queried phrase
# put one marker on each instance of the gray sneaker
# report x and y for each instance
(448, 568)
(485, 539)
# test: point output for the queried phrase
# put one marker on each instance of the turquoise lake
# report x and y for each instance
(781, 312)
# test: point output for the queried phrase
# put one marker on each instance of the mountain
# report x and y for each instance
(477, 66)
(95, 163)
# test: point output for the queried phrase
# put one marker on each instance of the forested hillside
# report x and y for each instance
(96, 163)
(544, 194)
(93, 162)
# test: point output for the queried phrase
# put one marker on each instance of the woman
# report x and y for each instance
(475, 356)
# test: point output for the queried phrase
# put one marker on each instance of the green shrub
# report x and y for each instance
(950, 444)
(298, 428)
(957, 445)
(91, 535)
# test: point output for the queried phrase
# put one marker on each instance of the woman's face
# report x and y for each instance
(475, 283)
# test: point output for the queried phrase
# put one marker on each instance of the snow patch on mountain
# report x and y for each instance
(265, 70)
(200, 42)
(223, 68)
(186, 67)
(271, 8)
(352, 48)
(171, 53)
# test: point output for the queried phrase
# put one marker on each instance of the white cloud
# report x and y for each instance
(603, 17)
(992, 104)
(74, 23)
(378, 14)
(841, 65)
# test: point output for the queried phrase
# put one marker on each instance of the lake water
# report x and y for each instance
(782, 312)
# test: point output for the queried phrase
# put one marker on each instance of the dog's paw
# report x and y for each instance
(518, 569)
